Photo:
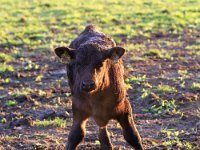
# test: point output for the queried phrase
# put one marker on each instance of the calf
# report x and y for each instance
(95, 74)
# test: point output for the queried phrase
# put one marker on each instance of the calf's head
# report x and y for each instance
(87, 66)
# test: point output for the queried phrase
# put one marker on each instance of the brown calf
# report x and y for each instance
(95, 73)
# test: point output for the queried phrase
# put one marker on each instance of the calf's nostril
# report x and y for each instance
(88, 85)
(92, 84)
(83, 84)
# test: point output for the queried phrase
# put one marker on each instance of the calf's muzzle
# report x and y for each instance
(88, 85)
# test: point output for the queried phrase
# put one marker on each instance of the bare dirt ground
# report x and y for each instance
(161, 125)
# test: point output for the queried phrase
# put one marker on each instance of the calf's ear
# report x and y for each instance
(115, 54)
(65, 54)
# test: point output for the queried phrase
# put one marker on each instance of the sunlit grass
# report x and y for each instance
(153, 52)
(58, 122)
(4, 68)
(172, 138)
(5, 57)
(63, 20)
(165, 88)
(7, 137)
(164, 107)
(195, 86)
(11, 103)
(3, 120)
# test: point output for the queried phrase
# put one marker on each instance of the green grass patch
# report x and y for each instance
(172, 139)
(21, 92)
(136, 79)
(164, 106)
(158, 53)
(153, 52)
(138, 59)
(20, 26)
(195, 86)
(195, 47)
(11, 103)
(134, 47)
(182, 72)
(3, 120)
(4, 68)
(5, 57)
(7, 138)
(58, 122)
(165, 88)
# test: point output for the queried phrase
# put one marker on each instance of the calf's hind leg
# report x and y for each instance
(77, 131)
(130, 132)
(104, 139)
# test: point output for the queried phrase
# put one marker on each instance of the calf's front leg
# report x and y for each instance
(77, 131)
(130, 132)
(104, 139)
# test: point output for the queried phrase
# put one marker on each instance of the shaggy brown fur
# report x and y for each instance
(95, 72)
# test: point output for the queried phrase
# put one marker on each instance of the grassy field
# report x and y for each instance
(162, 70)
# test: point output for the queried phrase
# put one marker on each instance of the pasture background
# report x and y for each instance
(162, 70)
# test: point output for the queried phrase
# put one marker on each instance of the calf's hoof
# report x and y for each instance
(106, 147)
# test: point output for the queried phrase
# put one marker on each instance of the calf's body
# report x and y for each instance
(95, 73)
